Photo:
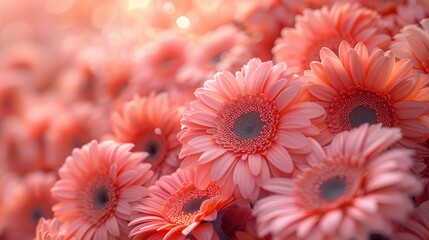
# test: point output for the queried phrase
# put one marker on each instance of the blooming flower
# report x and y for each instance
(417, 227)
(151, 123)
(327, 27)
(177, 209)
(264, 20)
(98, 182)
(50, 229)
(72, 127)
(352, 188)
(359, 87)
(157, 62)
(31, 201)
(243, 129)
(226, 48)
(410, 13)
(413, 43)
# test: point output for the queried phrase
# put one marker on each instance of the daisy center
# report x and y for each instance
(356, 106)
(247, 124)
(194, 205)
(333, 188)
(98, 200)
(154, 144)
(36, 213)
(185, 204)
(101, 197)
(328, 184)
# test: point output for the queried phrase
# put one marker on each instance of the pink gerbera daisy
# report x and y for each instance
(157, 62)
(50, 229)
(264, 20)
(177, 209)
(71, 128)
(417, 227)
(151, 123)
(246, 128)
(358, 87)
(327, 27)
(410, 13)
(223, 49)
(19, 153)
(97, 185)
(353, 188)
(31, 200)
(413, 43)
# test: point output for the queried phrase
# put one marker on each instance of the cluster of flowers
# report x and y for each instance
(214, 120)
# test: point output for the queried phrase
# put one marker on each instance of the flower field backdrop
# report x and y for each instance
(214, 119)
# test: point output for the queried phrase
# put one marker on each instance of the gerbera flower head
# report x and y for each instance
(264, 20)
(221, 49)
(72, 127)
(359, 87)
(244, 128)
(81, 79)
(413, 43)
(352, 188)
(327, 27)
(406, 13)
(97, 184)
(417, 226)
(50, 229)
(151, 123)
(18, 152)
(157, 62)
(177, 209)
(31, 200)
(9, 182)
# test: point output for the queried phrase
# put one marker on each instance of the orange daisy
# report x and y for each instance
(352, 188)
(151, 123)
(98, 182)
(177, 209)
(243, 129)
(327, 27)
(359, 87)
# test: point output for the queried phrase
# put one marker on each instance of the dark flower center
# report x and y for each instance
(333, 188)
(194, 205)
(356, 106)
(362, 114)
(152, 147)
(248, 126)
(182, 206)
(36, 213)
(101, 197)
